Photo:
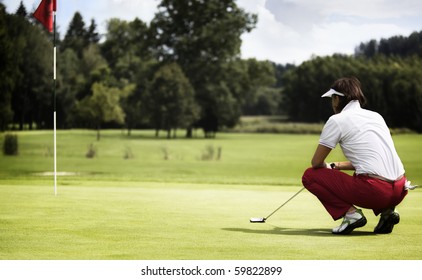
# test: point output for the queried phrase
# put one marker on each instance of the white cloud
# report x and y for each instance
(291, 31)
(271, 39)
(293, 14)
(342, 37)
(377, 9)
(130, 9)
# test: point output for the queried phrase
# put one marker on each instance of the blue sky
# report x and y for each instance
(288, 31)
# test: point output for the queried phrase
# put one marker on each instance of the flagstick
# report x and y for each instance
(54, 105)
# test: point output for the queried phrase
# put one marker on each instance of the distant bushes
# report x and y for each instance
(273, 124)
(92, 151)
(10, 145)
(267, 124)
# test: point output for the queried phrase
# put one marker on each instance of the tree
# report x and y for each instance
(21, 11)
(126, 49)
(393, 46)
(71, 81)
(396, 90)
(260, 77)
(392, 86)
(94, 68)
(369, 49)
(171, 100)
(102, 106)
(77, 37)
(304, 85)
(266, 102)
(202, 36)
(135, 104)
(92, 36)
(32, 71)
(7, 69)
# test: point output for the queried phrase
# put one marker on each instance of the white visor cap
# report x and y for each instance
(331, 92)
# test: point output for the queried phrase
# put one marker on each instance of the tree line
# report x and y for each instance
(183, 70)
(390, 72)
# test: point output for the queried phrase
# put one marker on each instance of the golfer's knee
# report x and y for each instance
(307, 177)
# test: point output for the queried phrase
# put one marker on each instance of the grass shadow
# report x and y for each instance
(297, 231)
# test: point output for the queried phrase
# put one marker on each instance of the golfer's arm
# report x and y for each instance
(343, 165)
(321, 153)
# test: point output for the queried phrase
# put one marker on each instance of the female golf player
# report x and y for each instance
(378, 182)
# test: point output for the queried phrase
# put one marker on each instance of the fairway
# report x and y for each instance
(184, 206)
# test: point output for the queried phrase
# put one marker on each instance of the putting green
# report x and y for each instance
(188, 221)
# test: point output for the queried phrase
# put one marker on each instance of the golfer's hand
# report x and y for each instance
(330, 165)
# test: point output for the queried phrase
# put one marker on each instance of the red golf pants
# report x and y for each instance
(338, 191)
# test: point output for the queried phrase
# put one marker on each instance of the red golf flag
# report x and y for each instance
(44, 13)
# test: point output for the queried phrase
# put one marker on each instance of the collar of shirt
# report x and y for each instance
(354, 104)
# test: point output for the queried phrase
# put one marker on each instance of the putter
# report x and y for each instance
(262, 220)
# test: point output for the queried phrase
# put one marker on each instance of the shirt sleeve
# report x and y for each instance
(330, 135)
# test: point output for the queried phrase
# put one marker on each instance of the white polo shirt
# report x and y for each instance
(365, 140)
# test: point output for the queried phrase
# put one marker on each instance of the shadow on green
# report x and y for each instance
(322, 232)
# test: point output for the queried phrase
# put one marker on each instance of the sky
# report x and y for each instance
(288, 31)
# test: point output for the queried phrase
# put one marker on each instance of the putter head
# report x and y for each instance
(257, 220)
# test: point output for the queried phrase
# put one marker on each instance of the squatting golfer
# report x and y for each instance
(378, 182)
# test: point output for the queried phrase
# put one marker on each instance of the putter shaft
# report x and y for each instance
(264, 219)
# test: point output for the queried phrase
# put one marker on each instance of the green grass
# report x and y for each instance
(147, 207)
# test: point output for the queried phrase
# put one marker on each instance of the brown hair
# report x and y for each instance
(351, 88)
